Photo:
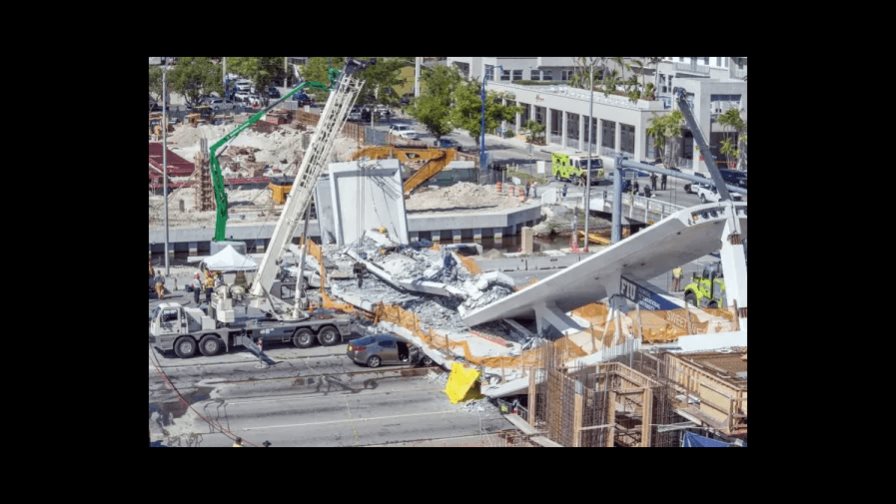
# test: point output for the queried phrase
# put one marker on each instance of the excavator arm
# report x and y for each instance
(433, 161)
(215, 166)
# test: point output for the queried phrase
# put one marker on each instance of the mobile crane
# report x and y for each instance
(732, 254)
(174, 327)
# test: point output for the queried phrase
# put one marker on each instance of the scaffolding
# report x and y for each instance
(604, 405)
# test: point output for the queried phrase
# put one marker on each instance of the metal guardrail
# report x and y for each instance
(693, 68)
(651, 206)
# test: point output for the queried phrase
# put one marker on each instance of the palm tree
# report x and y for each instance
(663, 129)
(733, 123)
(655, 61)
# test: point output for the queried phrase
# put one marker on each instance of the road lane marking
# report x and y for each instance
(330, 422)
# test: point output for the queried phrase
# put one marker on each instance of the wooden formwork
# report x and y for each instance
(722, 394)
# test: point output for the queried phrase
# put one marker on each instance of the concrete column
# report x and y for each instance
(519, 123)
(499, 234)
(477, 234)
(260, 245)
(547, 125)
(455, 235)
(563, 129)
(193, 248)
(618, 138)
(528, 246)
(532, 111)
(436, 236)
(641, 145)
(582, 133)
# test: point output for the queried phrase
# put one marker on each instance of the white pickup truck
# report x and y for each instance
(708, 193)
(404, 131)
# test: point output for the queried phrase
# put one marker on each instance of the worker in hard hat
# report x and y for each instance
(196, 284)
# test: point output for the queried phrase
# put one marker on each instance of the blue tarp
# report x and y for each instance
(691, 440)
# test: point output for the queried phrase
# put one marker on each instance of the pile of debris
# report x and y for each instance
(460, 197)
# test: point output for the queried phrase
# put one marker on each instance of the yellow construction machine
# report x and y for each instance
(426, 161)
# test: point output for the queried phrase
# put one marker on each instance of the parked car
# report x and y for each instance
(374, 351)
(355, 114)
(709, 193)
(220, 104)
(302, 99)
(734, 178)
(273, 92)
(448, 143)
(404, 131)
(689, 188)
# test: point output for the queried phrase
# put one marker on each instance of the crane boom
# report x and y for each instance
(335, 112)
(215, 166)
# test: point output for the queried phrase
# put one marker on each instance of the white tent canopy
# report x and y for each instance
(228, 259)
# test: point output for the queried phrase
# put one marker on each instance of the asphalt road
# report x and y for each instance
(310, 397)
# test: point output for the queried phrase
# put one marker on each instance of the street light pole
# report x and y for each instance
(482, 153)
(590, 147)
(417, 62)
(165, 157)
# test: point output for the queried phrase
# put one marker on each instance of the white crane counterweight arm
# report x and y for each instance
(333, 117)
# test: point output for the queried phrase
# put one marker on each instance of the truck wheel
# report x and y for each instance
(374, 361)
(210, 345)
(328, 336)
(426, 362)
(303, 338)
(702, 198)
(185, 347)
(690, 299)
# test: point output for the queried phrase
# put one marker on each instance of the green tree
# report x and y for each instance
(536, 132)
(380, 80)
(263, 72)
(432, 108)
(155, 83)
(466, 112)
(664, 130)
(194, 77)
(735, 138)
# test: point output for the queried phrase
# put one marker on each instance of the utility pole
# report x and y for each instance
(482, 153)
(417, 62)
(165, 157)
(590, 146)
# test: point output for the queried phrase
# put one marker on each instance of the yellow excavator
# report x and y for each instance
(426, 161)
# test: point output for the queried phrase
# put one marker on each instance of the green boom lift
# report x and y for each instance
(215, 166)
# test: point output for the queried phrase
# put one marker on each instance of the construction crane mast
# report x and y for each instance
(344, 93)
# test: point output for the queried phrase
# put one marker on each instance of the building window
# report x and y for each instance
(627, 138)
(535, 75)
(572, 126)
(556, 122)
(547, 75)
(524, 115)
(566, 75)
(489, 72)
(517, 75)
(608, 134)
(706, 61)
(718, 62)
(650, 152)
(505, 75)
(725, 62)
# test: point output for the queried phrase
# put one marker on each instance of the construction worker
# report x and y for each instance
(209, 285)
(663, 182)
(196, 284)
(160, 285)
(359, 270)
(676, 279)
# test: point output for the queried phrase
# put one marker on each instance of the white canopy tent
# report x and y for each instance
(228, 259)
